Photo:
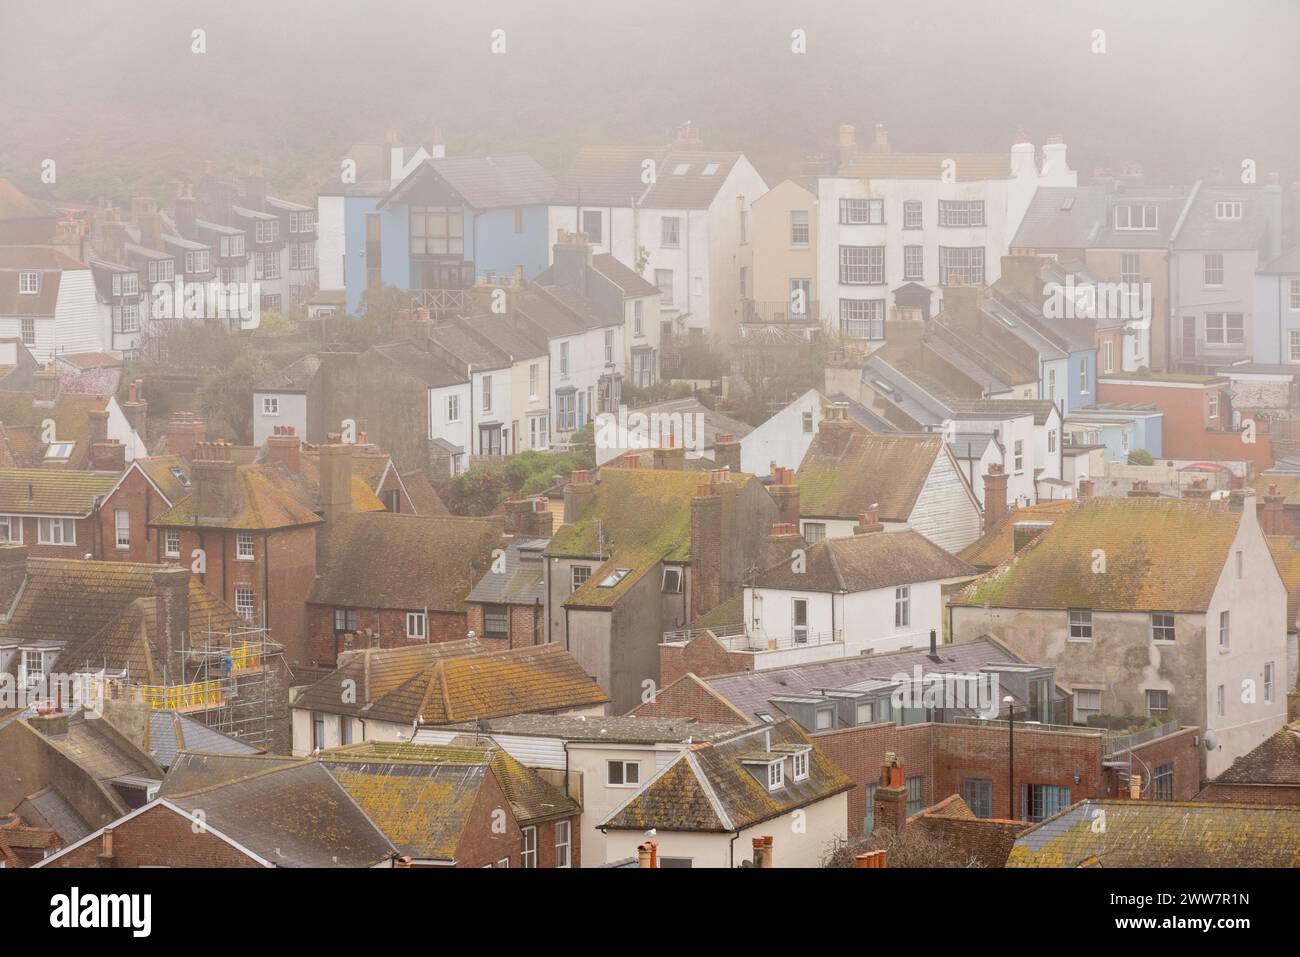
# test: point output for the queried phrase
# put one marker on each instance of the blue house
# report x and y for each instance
(1122, 429)
(450, 222)
(1276, 338)
(1063, 350)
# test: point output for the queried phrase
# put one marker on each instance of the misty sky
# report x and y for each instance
(114, 93)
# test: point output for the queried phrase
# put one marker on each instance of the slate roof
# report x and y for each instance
(405, 562)
(1275, 761)
(1201, 229)
(886, 470)
(297, 376)
(708, 787)
(997, 545)
(56, 813)
(517, 340)
(690, 189)
(292, 814)
(751, 692)
(485, 182)
(167, 733)
(866, 562)
(424, 367)
(1162, 834)
(605, 176)
(53, 491)
(97, 752)
(1164, 554)
(71, 415)
(1048, 224)
(374, 672)
(970, 167)
(1286, 264)
(622, 729)
(521, 580)
(455, 336)
(627, 279)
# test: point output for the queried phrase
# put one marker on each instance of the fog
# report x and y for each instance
(114, 93)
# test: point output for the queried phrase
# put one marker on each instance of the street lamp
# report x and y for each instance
(1010, 702)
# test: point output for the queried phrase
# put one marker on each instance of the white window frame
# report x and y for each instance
(861, 211)
(913, 214)
(1269, 669)
(1079, 621)
(46, 535)
(417, 624)
(775, 775)
(1147, 701)
(29, 283)
(799, 765)
(453, 408)
(528, 847)
(903, 606)
(622, 781)
(800, 228)
(487, 393)
(1213, 270)
(172, 543)
(670, 232)
(962, 212)
(270, 405)
(914, 263)
(1127, 221)
(245, 602)
(1225, 631)
(245, 547)
(579, 575)
(122, 528)
(563, 844)
(862, 265)
(1081, 713)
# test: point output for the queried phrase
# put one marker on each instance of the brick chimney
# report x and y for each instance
(872, 859)
(171, 610)
(726, 452)
(109, 456)
(97, 425)
(869, 521)
(183, 209)
(785, 493)
(216, 481)
(284, 447)
(781, 541)
(136, 409)
(13, 570)
(995, 495)
(577, 494)
(1271, 518)
(891, 796)
(670, 456)
(184, 431)
(763, 851)
(1198, 489)
(962, 306)
(572, 267)
(529, 517)
(145, 213)
(45, 385)
(1021, 274)
(647, 854)
(335, 481)
(105, 857)
(706, 549)
(1086, 487)
(835, 430)
(1142, 489)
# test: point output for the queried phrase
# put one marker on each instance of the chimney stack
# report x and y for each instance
(572, 261)
(284, 447)
(1086, 487)
(995, 495)
(647, 854)
(785, 493)
(670, 456)
(1142, 489)
(836, 429)
(869, 521)
(726, 452)
(109, 456)
(97, 427)
(136, 409)
(185, 431)
(577, 494)
(1021, 274)
(45, 385)
(335, 481)
(529, 517)
(215, 479)
(706, 549)
(763, 851)
(891, 796)
(171, 604)
(183, 208)
(872, 859)
(1272, 511)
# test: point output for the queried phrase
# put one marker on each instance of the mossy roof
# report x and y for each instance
(52, 491)
(1159, 555)
(997, 545)
(264, 503)
(888, 471)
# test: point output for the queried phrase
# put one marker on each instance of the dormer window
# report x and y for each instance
(29, 283)
(775, 775)
(800, 764)
(1143, 216)
(1229, 210)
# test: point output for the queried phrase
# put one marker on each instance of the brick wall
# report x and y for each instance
(988, 841)
(162, 838)
(144, 504)
(703, 656)
(87, 535)
(690, 698)
(1178, 749)
(525, 626)
(388, 626)
(1251, 794)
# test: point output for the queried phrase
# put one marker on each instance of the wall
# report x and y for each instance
(143, 503)
(781, 439)
(159, 837)
(293, 412)
(388, 625)
(494, 247)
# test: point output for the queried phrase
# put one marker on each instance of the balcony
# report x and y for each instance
(757, 311)
(443, 302)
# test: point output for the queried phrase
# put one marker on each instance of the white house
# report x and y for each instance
(890, 220)
(785, 437)
(48, 299)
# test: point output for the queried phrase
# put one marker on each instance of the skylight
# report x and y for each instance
(59, 450)
(681, 169)
(710, 169)
(614, 577)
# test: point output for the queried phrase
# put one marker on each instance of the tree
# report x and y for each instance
(227, 393)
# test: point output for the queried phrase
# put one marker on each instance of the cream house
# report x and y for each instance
(780, 260)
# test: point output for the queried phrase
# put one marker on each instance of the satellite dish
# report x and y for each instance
(1210, 740)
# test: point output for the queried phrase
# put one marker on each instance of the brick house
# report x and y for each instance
(149, 487)
(507, 608)
(1270, 774)
(53, 511)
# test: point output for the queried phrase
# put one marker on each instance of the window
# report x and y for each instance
(1087, 702)
(775, 775)
(131, 284)
(862, 265)
(578, 576)
(566, 411)
(743, 284)
(1157, 702)
(302, 256)
(622, 774)
(961, 212)
(244, 602)
(799, 232)
(1136, 217)
(1219, 700)
(317, 731)
(266, 264)
(417, 624)
(126, 318)
(1268, 682)
(799, 762)
(56, 531)
(978, 795)
(672, 581)
(1223, 630)
(865, 712)
(1294, 336)
(799, 619)
(563, 843)
(664, 280)
(437, 231)
(961, 265)
(392, 499)
(903, 606)
(808, 430)
(345, 729)
(11, 528)
(528, 855)
(166, 271)
(1083, 375)
(1108, 356)
(1080, 625)
(564, 360)
(825, 719)
(855, 212)
(1214, 269)
(1229, 210)
(609, 346)
(593, 225)
(1041, 801)
(814, 532)
(244, 550)
(29, 331)
(1162, 626)
(122, 527)
(1212, 405)
(1051, 441)
(1051, 383)
(915, 795)
(862, 318)
(1225, 328)
(1128, 268)
(345, 620)
(913, 262)
(266, 230)
(487, 393)
(744, 225)
(1162, 783)
(638, 317)
(1295, 294)
(453, 408)
(172, 543)
(270, 405)
(1019, 457)
(29, 283)
(496, 621)
(912, 214)
(869, 819)
(670, 232)
(534, 377)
